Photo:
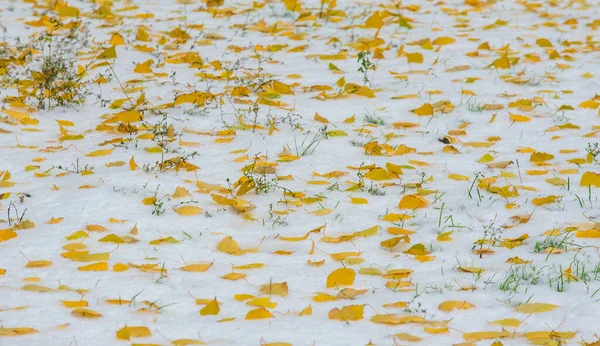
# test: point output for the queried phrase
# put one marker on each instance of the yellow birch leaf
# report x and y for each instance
(100, 153)
(132, 164)
(374, 21)
(128, 332)
(120, 267)
(501, 62)
(378, 174)
(112, 238)
(507, 322)
(540, 157)
(590, 179)
(197, 268)
(228, 245)
(556, 181)
(307, 311)
(233, 276)
(86, 313)
(38, 264)
(109, 53)
(181, 192)
(320, 119)
(71, 304)
(188, 210)
(476, 336)
(341, 277)
(55, 220)
(129, 116)
(211, 308)
(519, 118)
(425, 110)
(6, 234)
(532, 308)
(95, 267)
(37, 288)
(450, 305)
(258, 314)
(458, 177)
(545, 200)
(347, 313)
(169, 240)
(414, 58)
(321, 212)
(445, 236)
(413, 202)
(117, 40)
(280, 289)
(407, 337)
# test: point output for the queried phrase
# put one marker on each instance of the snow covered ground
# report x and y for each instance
(299, 172)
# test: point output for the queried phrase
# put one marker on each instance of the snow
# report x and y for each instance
(117, 192)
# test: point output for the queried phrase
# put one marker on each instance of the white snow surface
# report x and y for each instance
(117, 192)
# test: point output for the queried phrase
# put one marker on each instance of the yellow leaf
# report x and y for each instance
(445, 236)
(68, 11)
(519, 118)
(120, 267)
(75, 303)
(502, 62)
(378, 174)
(38, 264)
(86, 313)
(450, 305)
(55, 220)
(37, 288)
(280, 289)
(112, 238)
(197, 268)
(540, 157)
(458, 177)
(228, 245)
(188, 210)
(181, 192)
(507, 322)
(414, 58)
(6, 234)
(374, 21)
(307, 311)
(258, 314)
(126, 333)
(169, 240)
(211, 308)
(347, 313)
(109, 53)
(233, 276)
(407, 337)
(341, 277)
(444, 40)
(100, 152)
(545, 200)
(95, 267)
(556, 181)
(532, 308)
(321, 212)
(129, 116)
(476, 336)
(358, 200)
(587, 179)
(117, 40)
(543, 42)
(320, 119)
(413, 202)
(425, 110)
